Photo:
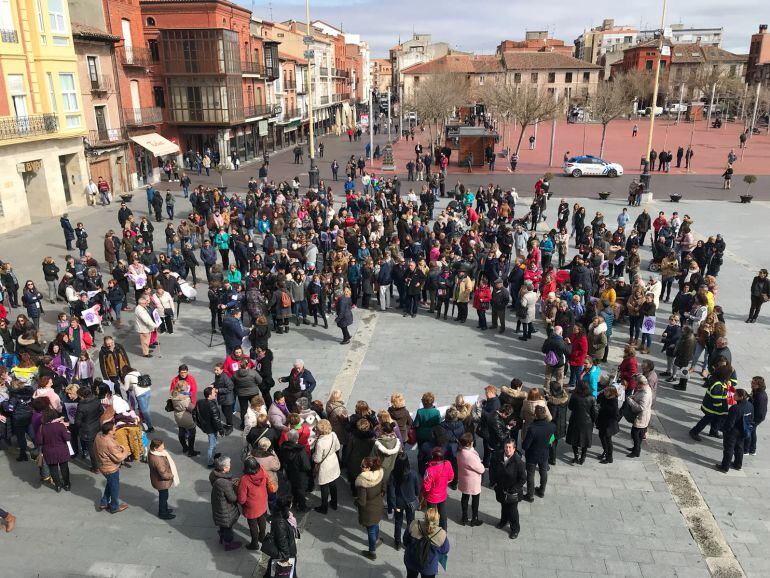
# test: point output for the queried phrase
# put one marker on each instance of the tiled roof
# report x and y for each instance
(543, 61)
(695, 53)
(91, 33)
(462, 63)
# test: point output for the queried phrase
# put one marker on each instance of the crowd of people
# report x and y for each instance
(272, 257)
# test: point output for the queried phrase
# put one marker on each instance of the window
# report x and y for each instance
(586, 77)
(648, 65)
(517, 77)
(150, 21)
(56, 16)
(40, 20)
(152, 44)
(69, 98)
(567, 77)
(93, 71)
(481, 80)
(51, 93)
(551, 77)
(533, 78)
(6, 17)
(160, 97)
(662, 65)
(18, 94)
(628, 39)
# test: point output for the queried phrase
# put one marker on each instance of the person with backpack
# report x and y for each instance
(208, 417)
(425, 546)
(556, 350)
(19, 407)
(280, 304)
(737, 432)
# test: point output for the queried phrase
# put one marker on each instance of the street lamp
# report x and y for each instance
(646, 177)
(313, 172)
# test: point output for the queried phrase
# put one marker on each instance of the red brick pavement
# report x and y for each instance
(711, 147)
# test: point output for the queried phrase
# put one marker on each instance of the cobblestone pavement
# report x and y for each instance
(618, 520)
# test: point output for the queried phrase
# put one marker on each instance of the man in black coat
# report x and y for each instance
(414, 280)
(737, 431)
(561, 349)
(507, 475)
(233, 331)
(296, 463)
(535, 446)
(515, 281)
(493, 430)
(208, 417)
(500, 299)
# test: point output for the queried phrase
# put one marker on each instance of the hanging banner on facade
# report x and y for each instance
(262, 128)
(364, 119)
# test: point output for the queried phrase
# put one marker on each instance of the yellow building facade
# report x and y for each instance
(42, 165)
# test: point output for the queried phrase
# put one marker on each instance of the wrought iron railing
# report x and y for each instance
(24, 126)
(10, 36)
(135, 56)
(143, 116)
(252, 68)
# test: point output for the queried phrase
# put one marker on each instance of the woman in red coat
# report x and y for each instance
(252, 496)
(579, 351)
(628, 368)
(481, 299)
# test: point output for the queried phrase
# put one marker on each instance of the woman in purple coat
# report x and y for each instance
(53, 437)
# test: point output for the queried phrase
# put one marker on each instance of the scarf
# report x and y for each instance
(283, 408)
(171, 464)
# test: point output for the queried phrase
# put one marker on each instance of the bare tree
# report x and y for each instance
(639, 84)
(436, 97)
(526, 104)
(612, 100)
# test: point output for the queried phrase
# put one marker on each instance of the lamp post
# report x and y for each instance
(646, 177)
(313, 172)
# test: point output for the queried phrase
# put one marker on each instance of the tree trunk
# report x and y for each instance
(521, 136)
(604, 134)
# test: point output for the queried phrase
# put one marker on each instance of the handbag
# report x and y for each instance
(169, 405)
(272, 487)
(282, 568)
(268, 546)
(510, 497)
(411, 436)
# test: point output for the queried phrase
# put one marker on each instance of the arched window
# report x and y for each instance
(150, 21)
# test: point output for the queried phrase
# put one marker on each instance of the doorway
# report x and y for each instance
(65, 178)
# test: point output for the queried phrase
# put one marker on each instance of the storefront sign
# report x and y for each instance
(262, 128)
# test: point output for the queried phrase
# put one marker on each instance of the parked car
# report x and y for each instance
(648, 110)
(591, 166)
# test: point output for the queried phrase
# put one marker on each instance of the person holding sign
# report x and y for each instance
(647, 311)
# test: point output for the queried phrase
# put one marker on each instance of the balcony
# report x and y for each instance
(302, 89)
(26, 126)
(9, 36)
(324, 100)
(324, 71)
(143, 116)
(102, 83)
(253, 68)
(259, 110)
(291, 113)
(340, 73)
(135, 56)
(106, 137)
(289, 84)
(341, 97)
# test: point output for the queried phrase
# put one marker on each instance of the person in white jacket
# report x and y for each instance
(144, 323)
(654, 287)
(328, 466)
(164, 302)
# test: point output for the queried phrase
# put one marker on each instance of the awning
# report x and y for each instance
(156, 144)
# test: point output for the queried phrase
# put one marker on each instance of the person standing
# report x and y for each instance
(144, 324)
(209, 419)
(688, 157)
(418, 561)
(759, 401)
(556, 350)
(110, 455)
(53, 436)
(728, 177)
(326, 464)
(607, 418)
(369, 491)
(252, 496)
(296, 463)
(507, 475)
(635, 130)
(737, 430)
(760, 293)
(344, 319)
(714, 405)
(470, 470)
(68, 230)
(224, 502)
(438, 475)
(283, 532)
(163, 475)
(540, 435)
(462, 293)
(641, 407)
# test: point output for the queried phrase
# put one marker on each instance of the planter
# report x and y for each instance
(675, 197)
(126, 197)
(604, 195)
(745, 199)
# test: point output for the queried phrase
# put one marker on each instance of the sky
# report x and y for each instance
(480, 30)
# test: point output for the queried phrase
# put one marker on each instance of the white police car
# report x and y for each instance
(591, 166)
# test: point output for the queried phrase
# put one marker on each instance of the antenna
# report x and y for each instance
(270, 10)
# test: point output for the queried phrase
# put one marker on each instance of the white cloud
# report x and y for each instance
(481, 26)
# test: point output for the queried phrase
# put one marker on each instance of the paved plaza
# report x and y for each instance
(647, 517)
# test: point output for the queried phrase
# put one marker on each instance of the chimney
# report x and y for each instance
(762, 28)
(608, 23)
